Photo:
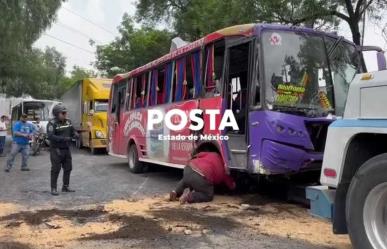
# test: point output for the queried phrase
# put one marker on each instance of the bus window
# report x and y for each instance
(138, 98)
(169, 82)
(145, 87)
(118, 99)
(188, 91)
(181, 79)
(130, 95)
(153, 88)
(214, 67)
(161, 86)
(113, 100)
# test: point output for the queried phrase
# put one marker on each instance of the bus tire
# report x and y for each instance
(366, 205)
(135, 166)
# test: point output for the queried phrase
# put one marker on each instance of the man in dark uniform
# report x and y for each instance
(60, 133)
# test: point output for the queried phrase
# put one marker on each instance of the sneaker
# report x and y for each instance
(54, 192)
(6, 170)
(25, 169)
(185, 196)
(173, 196)
(67, 189)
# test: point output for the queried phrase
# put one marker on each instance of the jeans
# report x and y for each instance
(202, 190)
(18, 148)
(2, 144)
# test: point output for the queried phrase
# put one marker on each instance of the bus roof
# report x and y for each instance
(237, 30)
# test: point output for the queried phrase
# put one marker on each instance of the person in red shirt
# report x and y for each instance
(203, 172)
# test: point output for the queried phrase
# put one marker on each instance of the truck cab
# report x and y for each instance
(354, 172)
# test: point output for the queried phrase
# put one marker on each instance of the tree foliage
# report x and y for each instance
(40, 75)
(194, 18)
(133, 48)
(22, 23)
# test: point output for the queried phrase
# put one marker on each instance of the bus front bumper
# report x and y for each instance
(278, 158)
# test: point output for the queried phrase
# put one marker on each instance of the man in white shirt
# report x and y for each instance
(3, 133)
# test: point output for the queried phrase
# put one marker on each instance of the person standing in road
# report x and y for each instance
(60, 133)
(3, 134)
(22, 134)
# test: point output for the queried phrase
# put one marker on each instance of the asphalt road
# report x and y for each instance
(96, 179)
(99, 179)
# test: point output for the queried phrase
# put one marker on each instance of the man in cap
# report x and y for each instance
(22, 133)
(60, 132)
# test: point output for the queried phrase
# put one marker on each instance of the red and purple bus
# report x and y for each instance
(284, 84)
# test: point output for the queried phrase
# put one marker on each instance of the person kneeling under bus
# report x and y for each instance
(202, 173)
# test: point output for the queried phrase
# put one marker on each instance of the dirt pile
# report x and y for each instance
(156, 219)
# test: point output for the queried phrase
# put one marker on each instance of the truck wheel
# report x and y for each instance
(135, 166)
(366, 205)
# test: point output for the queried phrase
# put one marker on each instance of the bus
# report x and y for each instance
(35, 109)
(284, 85)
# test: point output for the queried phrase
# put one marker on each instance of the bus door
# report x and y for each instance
(116, 117)
(237, 78)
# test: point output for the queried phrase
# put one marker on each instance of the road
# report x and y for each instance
(113, 208)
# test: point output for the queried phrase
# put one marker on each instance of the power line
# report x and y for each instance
(77, 31)
(69, 43)
(89, 21)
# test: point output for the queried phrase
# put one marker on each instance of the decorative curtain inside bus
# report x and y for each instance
(196, 73)
(181, 79)
(169, 72)
(153, 88)
(210, 83)
(143, 103)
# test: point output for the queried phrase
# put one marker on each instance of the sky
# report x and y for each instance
(79, 21)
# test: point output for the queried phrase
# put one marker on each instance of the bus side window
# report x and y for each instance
(188, 92)
(138, 98)
(129, 95)
(113, 100)
(145, 87)
(161, 86)
(120, 99)
(214, 67)
(169, 85)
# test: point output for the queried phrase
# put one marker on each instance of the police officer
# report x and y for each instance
(60, 133)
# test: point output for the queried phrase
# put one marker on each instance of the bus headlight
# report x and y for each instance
(99, 134)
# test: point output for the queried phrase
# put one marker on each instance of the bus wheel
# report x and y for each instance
(135, 166)
(366, 205)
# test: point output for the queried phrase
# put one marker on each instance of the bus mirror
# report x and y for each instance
(382, 65)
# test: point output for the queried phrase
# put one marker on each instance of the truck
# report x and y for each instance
(353, 190)
(87, 104)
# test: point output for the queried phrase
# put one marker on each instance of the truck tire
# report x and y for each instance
(135, 166)
(366, 205)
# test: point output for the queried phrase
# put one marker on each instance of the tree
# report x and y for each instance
(194, 18)
(40, 75)
(350, 11)
(78, 73)
(21, 23)
(133, 48)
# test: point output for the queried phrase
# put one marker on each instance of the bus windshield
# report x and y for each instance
(37, 109)
(298, 77)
